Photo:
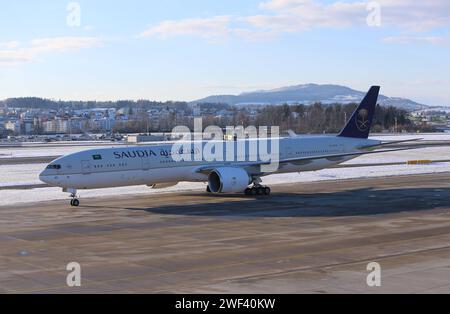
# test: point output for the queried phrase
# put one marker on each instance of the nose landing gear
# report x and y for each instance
(74, 201)
(73, 194)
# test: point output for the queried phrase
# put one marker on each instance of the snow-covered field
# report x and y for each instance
(20, 174)
(408, 136)
(429, 153)
(43, 194)
(20, 152)
(64, 148)
(28, 174)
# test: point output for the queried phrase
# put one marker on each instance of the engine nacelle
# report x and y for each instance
(163, 185)
(228, 180)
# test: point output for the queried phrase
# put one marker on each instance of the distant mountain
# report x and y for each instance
(307, 94)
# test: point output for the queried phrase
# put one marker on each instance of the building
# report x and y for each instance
(49, 127)
(28, 126)
(104, 124)
(141, 138)
(56, 126)
(13, 126)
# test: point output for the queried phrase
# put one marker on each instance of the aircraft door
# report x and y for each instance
(289, 152)
(86, 167)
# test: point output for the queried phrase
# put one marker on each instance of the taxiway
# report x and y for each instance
(306, 238)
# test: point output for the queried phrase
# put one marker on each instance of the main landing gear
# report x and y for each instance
(258, 190)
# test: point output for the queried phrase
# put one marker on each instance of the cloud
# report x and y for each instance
(281, 4)
(296, 16)
(217, 26)
(9, 44)
(416, 16)
(408, 15)
(15, 53)
(288, 16)
(284, 16)
(433, 40)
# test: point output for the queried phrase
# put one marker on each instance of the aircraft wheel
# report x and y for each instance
(260, 190)
(267, 191)
(253, 191)
(248, 191)
(75, 202)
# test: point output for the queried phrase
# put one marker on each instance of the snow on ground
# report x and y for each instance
(409, 136)
(28, 174)
(56, 149)
(8, 197)
(429, 153)
(20, 152)
(20, 174)
(354, 173)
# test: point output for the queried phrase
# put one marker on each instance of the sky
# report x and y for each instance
(189, 49)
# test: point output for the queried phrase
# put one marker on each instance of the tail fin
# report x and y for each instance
(359, 124)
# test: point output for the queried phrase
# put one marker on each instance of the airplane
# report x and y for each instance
(154, 166)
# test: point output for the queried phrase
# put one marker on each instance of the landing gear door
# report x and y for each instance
(86, 167)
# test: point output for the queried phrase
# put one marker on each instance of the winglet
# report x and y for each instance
(361, 121)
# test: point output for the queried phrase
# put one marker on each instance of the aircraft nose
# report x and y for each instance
(43, 177)
(47, 176)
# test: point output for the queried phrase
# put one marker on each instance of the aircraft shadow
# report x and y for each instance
(357, 202)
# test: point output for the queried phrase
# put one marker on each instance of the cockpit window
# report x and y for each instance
(97, 157)
(54, 167)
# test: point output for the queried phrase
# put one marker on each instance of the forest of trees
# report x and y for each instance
(319, 118)
(40, 103)
(313, 119)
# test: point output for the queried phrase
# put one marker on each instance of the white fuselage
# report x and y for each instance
(153, 164)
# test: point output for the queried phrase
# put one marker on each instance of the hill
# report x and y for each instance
(307, 94)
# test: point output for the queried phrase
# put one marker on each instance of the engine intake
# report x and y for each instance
(228, 180)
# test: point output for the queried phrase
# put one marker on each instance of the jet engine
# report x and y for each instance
(228, 180)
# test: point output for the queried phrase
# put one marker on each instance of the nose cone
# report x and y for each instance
(53, 173)
(43, 176)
